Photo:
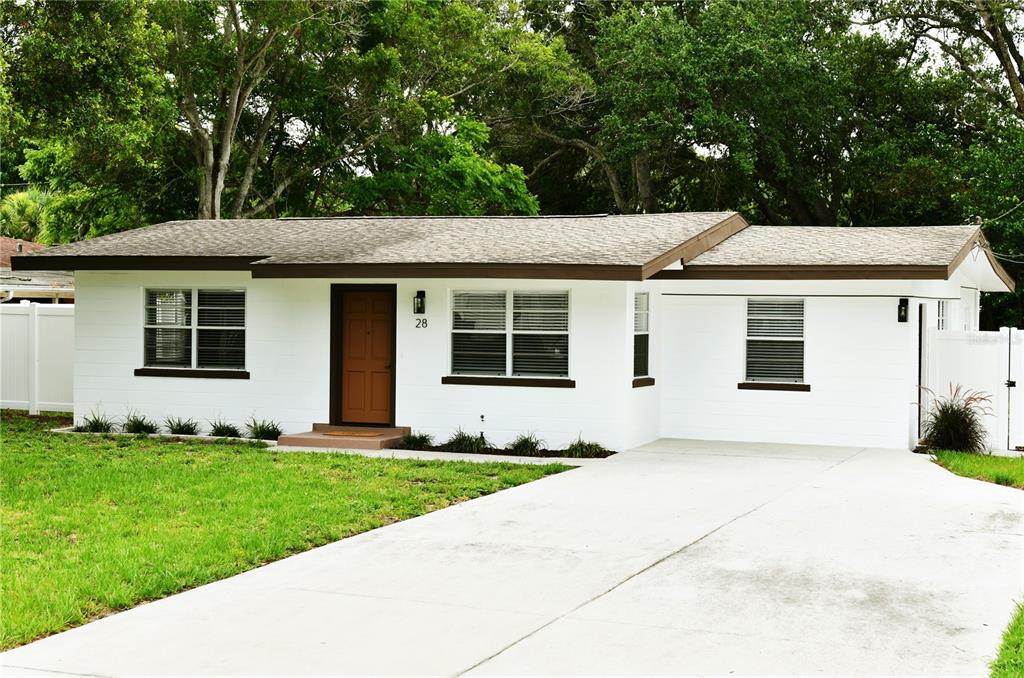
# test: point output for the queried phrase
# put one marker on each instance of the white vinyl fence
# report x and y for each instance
(982, 361)
(37, 347)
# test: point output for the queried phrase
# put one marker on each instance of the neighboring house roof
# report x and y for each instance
(49, 284)
(630, 247)
(809, 252)
(13, 246)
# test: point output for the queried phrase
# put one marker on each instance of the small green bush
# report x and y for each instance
(223, 429)
(263, 429)
(416, 441)
(466, 443)
(525, 444)
(181, 427)
(96, 423)
(954, 422)
(583, 449)
(137, 423)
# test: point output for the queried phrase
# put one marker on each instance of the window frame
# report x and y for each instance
(770, 384)
(942, 315)
(193, 327)
(509, 331)
(645, 332)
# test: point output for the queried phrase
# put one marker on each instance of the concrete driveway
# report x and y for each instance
(681, 557)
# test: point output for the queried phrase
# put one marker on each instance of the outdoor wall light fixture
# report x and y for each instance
(419, 302)
(903, 310)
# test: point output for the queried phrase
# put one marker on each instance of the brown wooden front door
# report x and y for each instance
(367, 358)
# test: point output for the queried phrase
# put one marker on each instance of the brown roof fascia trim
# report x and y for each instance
(709, 272)
(697, 245)
(72, 262)
(539, 271)
(979, 239)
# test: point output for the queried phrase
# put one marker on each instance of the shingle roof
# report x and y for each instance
(9, 248)
(839, 246)
(610, 240)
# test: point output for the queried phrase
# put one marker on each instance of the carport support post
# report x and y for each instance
(33, 358)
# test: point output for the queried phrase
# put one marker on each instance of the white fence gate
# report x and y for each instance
(982, 361)
(37, 348)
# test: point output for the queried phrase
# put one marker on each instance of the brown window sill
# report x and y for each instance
(643, 381)
(510, 381)
(190, 373)
(770, 386)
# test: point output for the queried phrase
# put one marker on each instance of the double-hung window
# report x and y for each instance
(195, 328)
(507, 333)
(641, 334)
(775, 340)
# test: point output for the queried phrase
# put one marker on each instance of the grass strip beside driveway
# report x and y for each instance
(1003, 471)
(92, 525)
(1000, 470)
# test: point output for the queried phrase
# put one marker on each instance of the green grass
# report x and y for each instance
(94, 524)
(1010, 662)
(1000, 470)
(1003, 471)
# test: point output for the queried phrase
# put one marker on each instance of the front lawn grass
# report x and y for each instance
(91, 524)
(1001, 470)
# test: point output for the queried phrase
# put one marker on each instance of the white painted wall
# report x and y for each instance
(860, 362)
(36, 350)
(287, 355)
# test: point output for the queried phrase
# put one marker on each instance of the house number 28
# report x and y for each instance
(421, 323)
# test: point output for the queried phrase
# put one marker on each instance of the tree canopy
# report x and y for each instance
(833, 112)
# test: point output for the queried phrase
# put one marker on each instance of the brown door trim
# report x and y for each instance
(338, 291)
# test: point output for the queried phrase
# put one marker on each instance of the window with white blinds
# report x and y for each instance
(503, 333)
(775, 340)
(200, 328)
(641, 336)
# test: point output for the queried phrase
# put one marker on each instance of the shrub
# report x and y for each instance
(525, 444)
(583, 449)
(954, 422)
(96, 423)
(263, 429)
(466, 443)
(223, 429)
(136, 423)
(182, 427)
(416, 441)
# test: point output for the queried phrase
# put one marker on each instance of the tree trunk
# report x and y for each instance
(644, 190)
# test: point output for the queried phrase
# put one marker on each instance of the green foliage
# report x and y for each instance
(583, 449)
(994, 469)
(416, 441)
(92, 525)
(223, 429)
(181, 426)
(463, 442)
(263, 429)
(22, 214)
(954, 422)
(525, 444)
(137, 423)
(96, 422)
(1010, 662)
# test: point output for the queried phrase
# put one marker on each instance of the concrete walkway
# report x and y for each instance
(681, 557)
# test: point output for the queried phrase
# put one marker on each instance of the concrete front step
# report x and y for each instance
(362, 438)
